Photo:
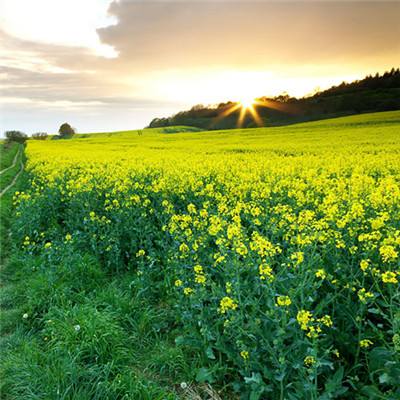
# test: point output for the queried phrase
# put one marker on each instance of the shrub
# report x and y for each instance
(16, 136)
(40, 136)
(66, 130)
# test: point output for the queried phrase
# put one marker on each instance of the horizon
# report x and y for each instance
(125, 63)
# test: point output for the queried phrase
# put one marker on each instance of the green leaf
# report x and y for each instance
(209, 353)
(204, 375)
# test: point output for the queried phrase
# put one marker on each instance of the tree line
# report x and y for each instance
(379, 92)
(64, 132)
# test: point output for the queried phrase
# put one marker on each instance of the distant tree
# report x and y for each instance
(66, 130)
(16, 136)
(40, 136)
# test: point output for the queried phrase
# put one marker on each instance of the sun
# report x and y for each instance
(246, 102)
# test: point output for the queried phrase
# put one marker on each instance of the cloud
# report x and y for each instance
(167, 34)
(62, 22)
(171, 54)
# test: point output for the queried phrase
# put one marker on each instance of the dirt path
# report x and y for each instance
(13, 163)
(14, 180)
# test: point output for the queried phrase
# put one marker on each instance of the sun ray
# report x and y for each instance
(241, 116)
(255, 116)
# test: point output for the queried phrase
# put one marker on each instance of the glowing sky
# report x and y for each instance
(111, 65)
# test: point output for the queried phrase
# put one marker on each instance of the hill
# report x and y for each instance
(371, 94)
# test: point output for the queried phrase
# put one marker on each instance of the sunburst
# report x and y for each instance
(248, 106)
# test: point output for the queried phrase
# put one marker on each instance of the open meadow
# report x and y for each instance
(170, 263)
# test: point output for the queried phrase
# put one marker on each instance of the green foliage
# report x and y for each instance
(373, 93)
(16, 136)
(40, 136)
(66, 131)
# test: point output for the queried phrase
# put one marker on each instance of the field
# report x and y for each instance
(253, 264)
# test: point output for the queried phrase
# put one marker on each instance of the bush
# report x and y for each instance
(16, 136)
(66, 130)
(40, 136)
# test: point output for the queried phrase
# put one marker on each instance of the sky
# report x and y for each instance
(105, 65)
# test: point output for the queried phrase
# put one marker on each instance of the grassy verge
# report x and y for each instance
(70, 331)
(7, 153)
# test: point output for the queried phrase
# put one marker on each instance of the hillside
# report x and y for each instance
(371, 94)
(254, 263)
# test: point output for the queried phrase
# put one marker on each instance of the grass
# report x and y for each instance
(7, 153)
(70, 331)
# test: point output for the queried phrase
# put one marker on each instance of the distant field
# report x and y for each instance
(257, 263)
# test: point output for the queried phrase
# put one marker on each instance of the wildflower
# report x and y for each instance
(313, 332)
(228, 287)
(309, 361)
(284, 301)
(198, 269)
(200, 279)
(363, 295)
(266, 272)
(68, 237)
(241, 249)
(25, 316)
(365, 343)
(321, 274)
(183, 248)
(326, 320)
(297, 257)
(191, 208)
(183, 385)
(47, 245)
(178, 283)
(389, 277)
(226, 304)
(140, 253)
(364, 264)
(245, 355)
(388, 253)
(304, 318)
(188, 291)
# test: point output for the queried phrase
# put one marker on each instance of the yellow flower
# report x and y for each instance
(297, 257)
(363, 295)
(188, 291)
(47, 245)
(68, 237)
(266, 272)
(388, 253)
(140, 253)
(309, 361)
(364, 264)
(226, 304)
(245, 355)
(198, 269)
(183, 248)
(304, 318)
(326, 320)
(389, 277)
(321, 274)
(178, 283)
(284, 301)
(365, 343)
(200, 279)
(191, 208)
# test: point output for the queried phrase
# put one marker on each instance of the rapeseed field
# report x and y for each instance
(274, 251)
